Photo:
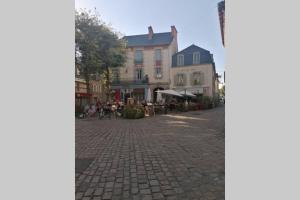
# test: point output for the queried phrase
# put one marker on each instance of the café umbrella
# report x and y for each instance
(187, 93)
(168, 92)
(149, 98)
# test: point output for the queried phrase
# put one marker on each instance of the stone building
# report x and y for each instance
(154, 63)
(193, 70)
(148, 65)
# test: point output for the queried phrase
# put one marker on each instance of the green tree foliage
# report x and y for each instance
(222, 91)
(98, 48)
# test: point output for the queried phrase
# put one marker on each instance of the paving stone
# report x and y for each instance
(181, 163)
(155, 189)
(134, 190)
(154, 183)
(109, 184)
(79, 195)
(158, 196)
(89, 192)
(146, 197)
(98, 192)
(145, 191)
(107, 195)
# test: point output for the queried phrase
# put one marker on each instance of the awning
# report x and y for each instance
(169, 92)
(187, 93)
(80, 94)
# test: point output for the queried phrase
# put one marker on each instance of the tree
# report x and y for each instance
(97, 48)
(222, 91)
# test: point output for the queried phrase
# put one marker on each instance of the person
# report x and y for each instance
(100, 110)
(90, 111)
(114, 109)
(108, 109)
(86, 110)
(119, 109)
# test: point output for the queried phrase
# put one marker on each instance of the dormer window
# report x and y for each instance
(196, 58)
(180, 60)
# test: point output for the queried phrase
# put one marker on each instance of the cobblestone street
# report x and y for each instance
(176, 156)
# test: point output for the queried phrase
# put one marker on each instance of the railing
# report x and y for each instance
(130, 82)
(157, 62)
(138, 61)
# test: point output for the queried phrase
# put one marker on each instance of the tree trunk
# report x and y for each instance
(107, 84)
(88, 89)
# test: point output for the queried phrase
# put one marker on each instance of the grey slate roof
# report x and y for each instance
(205, 56)
(142, 40)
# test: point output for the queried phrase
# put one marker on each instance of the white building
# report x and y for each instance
(193, 70)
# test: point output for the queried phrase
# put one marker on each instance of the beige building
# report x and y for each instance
(153, 62)
(82, 97)
(193, 70)
(148, 65)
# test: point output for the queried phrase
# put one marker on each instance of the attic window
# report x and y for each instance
(180, 60)
(196, 58)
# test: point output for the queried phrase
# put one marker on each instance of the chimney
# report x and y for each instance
(150, 32)
(173, 31)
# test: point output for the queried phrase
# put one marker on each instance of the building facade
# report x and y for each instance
(193, 70)
(221, 11)
(82, 97)
(154, 63)
(148, 65)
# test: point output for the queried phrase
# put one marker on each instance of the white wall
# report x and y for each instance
(206, 69)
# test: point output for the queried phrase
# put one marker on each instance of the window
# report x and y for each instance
(157, 54)
(180, 79)
(139, 74)
(196, 58)
(116, 74)
(197, 78)
(158, 72)
(77, 86)
(138, 57)
(180, 60)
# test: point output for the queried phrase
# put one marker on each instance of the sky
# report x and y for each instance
(197, 21)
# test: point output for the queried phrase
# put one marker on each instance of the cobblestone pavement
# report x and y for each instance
(177, 156)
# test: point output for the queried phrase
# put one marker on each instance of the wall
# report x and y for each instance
(149, 63)
(207, 69)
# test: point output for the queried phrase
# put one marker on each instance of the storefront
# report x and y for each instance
(81, 99)
(138, 93)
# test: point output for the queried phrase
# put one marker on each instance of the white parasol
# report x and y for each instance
(149, 98)
(169, 92)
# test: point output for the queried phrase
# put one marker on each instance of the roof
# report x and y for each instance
(143, 40)
(205, 56)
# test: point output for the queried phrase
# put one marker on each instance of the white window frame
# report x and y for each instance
(156, 74)
(180, 83)
(142, 55)
(137, 73)
(160, 55)
(178, 60)
(201, 78)
(195, 56)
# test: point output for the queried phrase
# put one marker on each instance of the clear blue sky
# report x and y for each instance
(196, 21)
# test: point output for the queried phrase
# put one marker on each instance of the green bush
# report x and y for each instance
(181, 108)
(133, 112)
(207, 102)
(193, 106)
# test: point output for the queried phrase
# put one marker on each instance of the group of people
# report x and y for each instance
(103, 109)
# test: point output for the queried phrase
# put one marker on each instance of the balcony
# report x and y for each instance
(138, 62)
(130, 82)
(158, 63)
